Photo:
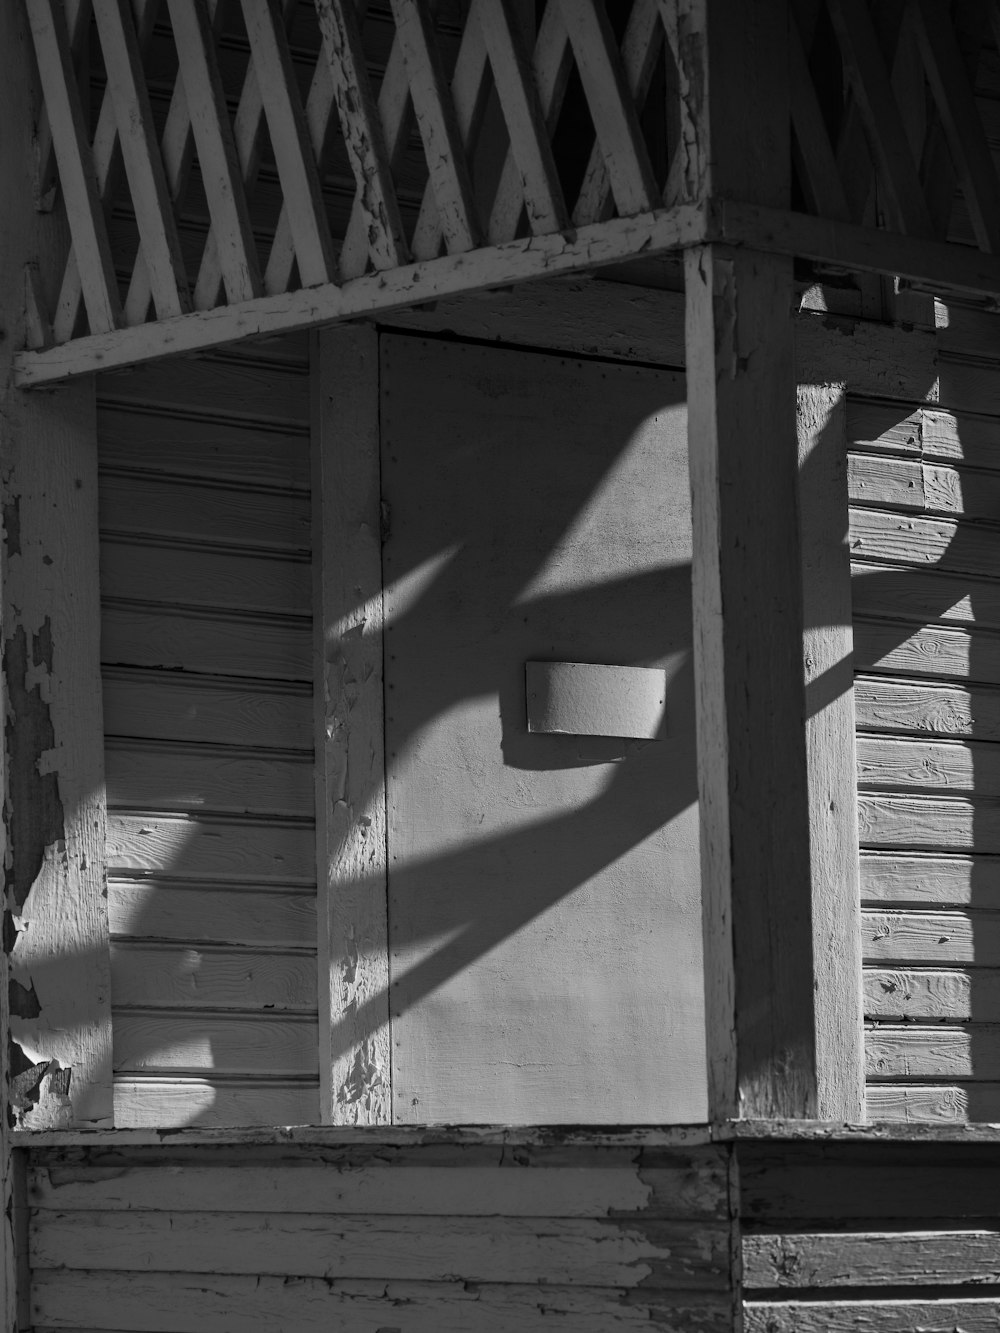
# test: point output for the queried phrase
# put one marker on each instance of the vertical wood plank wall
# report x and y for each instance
(207, 669)
(925, 547)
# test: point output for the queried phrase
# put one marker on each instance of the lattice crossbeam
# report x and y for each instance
(241, 158)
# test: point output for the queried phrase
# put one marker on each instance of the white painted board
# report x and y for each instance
(544, 899)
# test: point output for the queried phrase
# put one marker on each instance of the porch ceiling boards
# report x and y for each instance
(232, 168)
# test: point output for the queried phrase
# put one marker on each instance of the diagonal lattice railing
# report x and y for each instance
(233, 167)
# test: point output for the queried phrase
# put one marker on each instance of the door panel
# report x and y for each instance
(544, 898)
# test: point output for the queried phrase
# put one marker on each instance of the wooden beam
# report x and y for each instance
(747, 587)
(355, 1058)
(56, 1040)
(747, 597)
(831, 751)
(495, 266)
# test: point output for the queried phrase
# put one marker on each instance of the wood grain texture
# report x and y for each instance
(157, 705)
(178, 574)
(179, 777)
(938, 1051)
(977, 1315)
(940, 1104)
(171, 910)
(922, 597)
(833, 764)
(761, 1032)
(442, 1181)
(350, 778)
(900, 764)
(196, 1041)
(917, 708)
(889, 538)
(211, 641)
(158, 1300)
(222, 386)
(206, 848)
(568, 1251)
(182, 1100)
(185, 445)
(260, 519)
(929, 938)
(929, 823)
(928, 880)
(956, 995)
(56, 819)
(165, 976)
(945, 653)
(869, 1259)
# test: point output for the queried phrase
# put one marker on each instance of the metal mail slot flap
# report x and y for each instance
(587, 699)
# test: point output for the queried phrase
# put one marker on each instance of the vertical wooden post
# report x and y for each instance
(355, 1083)
(831, 751)
(747, 582)
(57, 1028)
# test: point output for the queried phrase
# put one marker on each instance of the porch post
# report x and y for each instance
(753, 760)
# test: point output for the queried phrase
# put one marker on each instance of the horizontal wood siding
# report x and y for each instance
(206, 651)
(429, 1238)
(893, 1237)
(925, 547)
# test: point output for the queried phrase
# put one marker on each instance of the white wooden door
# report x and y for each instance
(544, 905)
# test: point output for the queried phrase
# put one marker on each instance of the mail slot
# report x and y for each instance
(588, 699)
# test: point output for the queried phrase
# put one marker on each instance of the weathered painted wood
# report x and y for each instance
(931, 938)
(204, 848)
(977, 1315)
(182, 1101)
(899, 764)
(198, 576)
(60, 1019)
(944, 1051)
(158, 706)
(175, 778)
(828, 647)
(564, 1251)
(211, 978)
(165, 442)
(169, 910)
(955, 995)
(931, 487)
(761, 1034)
(226, 515)
(930, 823)
(445, 1181)
(917, 708)
(159, 1301)
(870, 1259)
(350, 779)
(213, 642)
(927, 880)
(282, 1045)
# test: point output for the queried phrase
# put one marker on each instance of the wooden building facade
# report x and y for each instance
(501, 510)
